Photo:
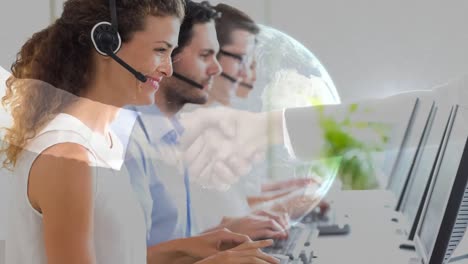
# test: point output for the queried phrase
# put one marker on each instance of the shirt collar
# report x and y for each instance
(177, 125)
(155, 124)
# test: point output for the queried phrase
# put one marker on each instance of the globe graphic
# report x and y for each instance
(289, 75)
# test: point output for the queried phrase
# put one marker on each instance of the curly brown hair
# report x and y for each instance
(61, 56)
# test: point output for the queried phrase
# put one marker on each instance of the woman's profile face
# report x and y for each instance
(149, 52)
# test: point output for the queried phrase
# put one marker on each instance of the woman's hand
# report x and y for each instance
(189, 250)
(296, 206)
(256, 226)
(287, 184)
(277, 190)
(208, 244)
(281, 218)
(246, 253)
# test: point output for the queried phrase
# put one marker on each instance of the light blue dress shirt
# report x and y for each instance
(150, 146)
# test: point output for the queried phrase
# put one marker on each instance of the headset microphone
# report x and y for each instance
(107, 42)
(229, 77)
(187, 80)
(137, 74)
(246, 85)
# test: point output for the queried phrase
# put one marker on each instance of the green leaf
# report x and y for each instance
(353, 108)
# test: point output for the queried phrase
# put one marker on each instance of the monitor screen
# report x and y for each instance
(448, 188)
(424, 166)
(405, 113)
(410, 146)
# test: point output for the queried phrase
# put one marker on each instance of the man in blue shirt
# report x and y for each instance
(195, 66)
(153, 158)
(150, 151)
(154, 165)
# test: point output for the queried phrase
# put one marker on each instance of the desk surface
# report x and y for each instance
(461, 253)
(374, 237)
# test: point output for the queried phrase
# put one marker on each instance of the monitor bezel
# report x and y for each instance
(424, 136)
(414, 223)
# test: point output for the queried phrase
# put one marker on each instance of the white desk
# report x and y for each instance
(461, 250)
(373, 237)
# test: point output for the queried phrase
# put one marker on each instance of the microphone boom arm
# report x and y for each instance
(137, 74)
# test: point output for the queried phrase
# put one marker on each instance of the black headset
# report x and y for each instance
(228, 77)
(187, 80)
(107, 42)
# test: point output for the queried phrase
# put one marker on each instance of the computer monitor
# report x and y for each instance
(411, 144)
(441, 213)
(422, 174)
(397, 139)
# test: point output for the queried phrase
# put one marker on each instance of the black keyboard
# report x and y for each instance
(297, 248)
(326, 223)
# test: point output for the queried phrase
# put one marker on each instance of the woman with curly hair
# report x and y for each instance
(69, 204)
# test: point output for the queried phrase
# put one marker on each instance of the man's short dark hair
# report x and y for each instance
(195, 13)
(232, 19)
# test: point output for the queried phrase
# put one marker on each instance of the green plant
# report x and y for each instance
(357, 169)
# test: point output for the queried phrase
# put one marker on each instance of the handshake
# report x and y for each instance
(221, 144)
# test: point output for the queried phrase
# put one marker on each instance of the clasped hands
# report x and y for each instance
(220, 145)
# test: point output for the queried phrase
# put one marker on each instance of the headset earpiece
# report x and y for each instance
(105, 38)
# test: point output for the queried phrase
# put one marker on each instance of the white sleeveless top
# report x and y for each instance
(119, 227)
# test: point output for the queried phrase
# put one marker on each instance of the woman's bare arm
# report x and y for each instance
(61, 187)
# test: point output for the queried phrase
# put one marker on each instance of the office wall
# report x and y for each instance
(19, 19)
(374, 48)
(259, 10)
